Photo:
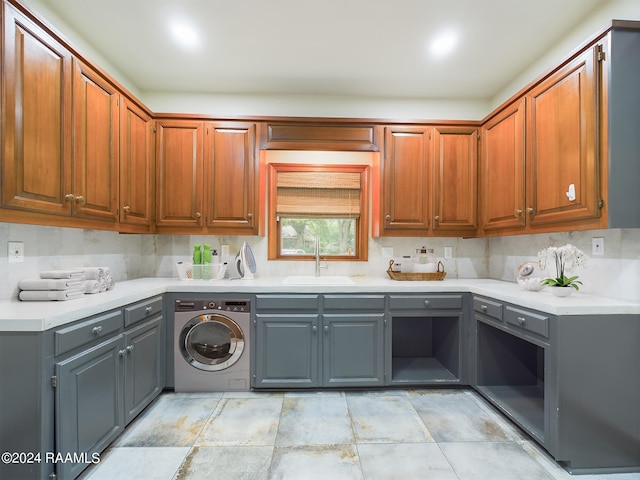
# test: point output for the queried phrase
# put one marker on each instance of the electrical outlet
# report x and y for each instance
(597, 246)
(15, 252)
(448, 252)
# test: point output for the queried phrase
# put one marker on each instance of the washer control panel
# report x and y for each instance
(203, 305)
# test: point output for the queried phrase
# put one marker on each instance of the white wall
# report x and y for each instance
(594, 24)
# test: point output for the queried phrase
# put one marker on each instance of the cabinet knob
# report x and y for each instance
(437, 218)
(70, 197)
(197, 215)
(129, 348)
(249, 215)
(387, 217)
(530, 210)
(126, 209)
(148, 310)
(314, 329)
(97, 330)
(518, 212)
(521, 320)
(121, 353)
(326, 329)
(79, 199)
(483, 308)
(426, 303)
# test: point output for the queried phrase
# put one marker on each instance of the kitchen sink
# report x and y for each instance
(313, 280)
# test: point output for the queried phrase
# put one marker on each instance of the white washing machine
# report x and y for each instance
(211, 351)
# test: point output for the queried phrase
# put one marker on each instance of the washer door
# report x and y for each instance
(211, 342)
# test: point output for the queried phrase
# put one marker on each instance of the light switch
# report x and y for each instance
(448, 252)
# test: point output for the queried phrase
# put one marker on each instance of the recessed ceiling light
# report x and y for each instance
(185, 34)
(444, 44)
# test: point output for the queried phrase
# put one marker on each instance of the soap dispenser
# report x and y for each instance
(197, 261)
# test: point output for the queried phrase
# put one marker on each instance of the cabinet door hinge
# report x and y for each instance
(601, 55)
(54, 381)
(600, 203)
(153, 129)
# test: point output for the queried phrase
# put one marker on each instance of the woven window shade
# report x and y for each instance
(318, 194)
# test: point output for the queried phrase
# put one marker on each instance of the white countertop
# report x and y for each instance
(39, 316)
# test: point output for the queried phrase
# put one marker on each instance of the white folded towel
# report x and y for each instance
(76, 273)
(43, 295)
(92, 286)
(50, 283)
(96, 273)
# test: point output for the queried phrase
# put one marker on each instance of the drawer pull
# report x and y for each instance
(97, 330)
(426, 303)
(130, 349)
(121, 353)
(521, 320)
(326, 329)
(483, 308)
(149, 309)
(314, 329)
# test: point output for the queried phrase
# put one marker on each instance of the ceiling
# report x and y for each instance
(371, 48)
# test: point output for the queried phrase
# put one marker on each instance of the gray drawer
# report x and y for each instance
(66, 339)
(531, 322)
(282, 303)
(425, 302)
(142, 310)
(354, 302)
(490, 308)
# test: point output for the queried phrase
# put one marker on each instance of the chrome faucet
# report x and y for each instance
(317, 256)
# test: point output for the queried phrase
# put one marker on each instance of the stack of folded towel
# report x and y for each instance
(66, 284)
(53, 285)
(98, 279)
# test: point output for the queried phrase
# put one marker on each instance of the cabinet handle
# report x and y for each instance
(70, 197)
(97, 330)
(148, 310)
(518, 212)
(426, 303)
(521, 320)
(130, 349)
(126, 209)
(437, 218)
(80, 199)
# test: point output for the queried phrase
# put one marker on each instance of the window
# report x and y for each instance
(327, 202)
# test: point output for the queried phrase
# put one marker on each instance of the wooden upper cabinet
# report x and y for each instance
(562, 156)
(406, 181)
(230, 172)
(502, 171)
(137, 149)
(455, 185)
(36, 118)
(96, 123)
(179, 170)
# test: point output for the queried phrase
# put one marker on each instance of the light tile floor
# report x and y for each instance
(435, 434)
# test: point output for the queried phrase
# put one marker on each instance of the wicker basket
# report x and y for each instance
(439, 275)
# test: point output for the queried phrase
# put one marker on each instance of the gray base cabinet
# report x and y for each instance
(572, 382)
(79, 387)
(307, 341)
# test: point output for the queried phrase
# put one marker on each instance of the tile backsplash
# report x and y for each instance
(615, 274)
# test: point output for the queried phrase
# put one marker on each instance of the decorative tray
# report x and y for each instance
(439, 275)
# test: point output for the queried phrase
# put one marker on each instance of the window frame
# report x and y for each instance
(362, 223)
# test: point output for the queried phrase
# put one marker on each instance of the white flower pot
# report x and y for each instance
(562, 291)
